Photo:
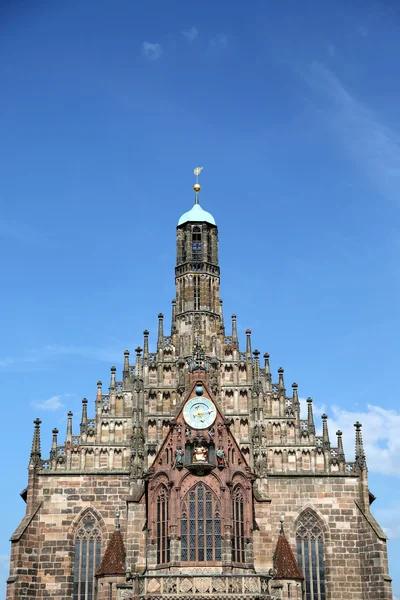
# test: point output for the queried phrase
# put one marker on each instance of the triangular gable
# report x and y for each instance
(217, 434)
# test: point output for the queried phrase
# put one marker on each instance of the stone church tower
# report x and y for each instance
(197, 477)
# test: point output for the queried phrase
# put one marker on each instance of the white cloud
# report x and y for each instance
(4, 561)
(373, 145)
(331, 50)
(21, 232)
(37, 358)
(191, 34)
(389, 518)
(151, 51)
(220, 40)
(380, 432)
(362, 30)
(88, 352)
(53, 403)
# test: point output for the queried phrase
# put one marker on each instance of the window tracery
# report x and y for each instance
(200, 526)
(238, 539)
(163, 551)
(87, 558)
(310, 555)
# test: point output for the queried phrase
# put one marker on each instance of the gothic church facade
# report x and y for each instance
(197, 477)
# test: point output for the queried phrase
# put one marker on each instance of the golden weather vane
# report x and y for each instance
(197, 172)
(196, 186)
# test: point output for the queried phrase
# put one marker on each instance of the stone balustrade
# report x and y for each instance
(161, 587)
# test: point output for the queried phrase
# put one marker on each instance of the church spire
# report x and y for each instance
(197, 272)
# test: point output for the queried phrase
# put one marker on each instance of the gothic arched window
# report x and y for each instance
(209, 247)
(200, 526)
(196, 244)
(238, 540)
(87, 558)
(162, 527)
(310, 555)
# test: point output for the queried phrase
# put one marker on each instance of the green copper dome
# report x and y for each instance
(197, 214)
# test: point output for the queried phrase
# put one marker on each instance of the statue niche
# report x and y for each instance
(200, 455)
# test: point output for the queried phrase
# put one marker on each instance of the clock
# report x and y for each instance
(199, 413)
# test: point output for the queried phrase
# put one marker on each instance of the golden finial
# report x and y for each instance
(196, 186)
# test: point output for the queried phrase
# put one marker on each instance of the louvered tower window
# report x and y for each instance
(162, 528)
(196, 244)
(200, 526)
(238, 548)
(87, 558)
(310, 555)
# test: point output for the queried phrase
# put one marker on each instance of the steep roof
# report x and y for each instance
(285, 562)
(113, 561)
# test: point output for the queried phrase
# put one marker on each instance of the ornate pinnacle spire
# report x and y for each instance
(361, 462)
(173, 325)
(112, 379)
(281, 383)
(35, 458)
(160, 339)
(138, 351)
(256, 367)
(221, 312)
(84, 415)
(267, 367)
(248, 343)
(325, 435)
(295, 394)
(126, 363)
(54, 442)
(145, 343)
(311, 425)
(234, 331)
(341, 455)
(69, 427)
(53, 451)
(99, 395)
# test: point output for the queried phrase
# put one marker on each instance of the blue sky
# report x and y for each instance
(293, 111)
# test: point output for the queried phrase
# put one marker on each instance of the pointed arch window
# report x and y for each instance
(200, 526)
(209, 247)
(196, 244)
(238, 540)
(163, 554)
(310, 555)
(87, 558)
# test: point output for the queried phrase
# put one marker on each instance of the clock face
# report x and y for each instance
(199, 413)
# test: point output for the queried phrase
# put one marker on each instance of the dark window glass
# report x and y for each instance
(87, 559)
(203, 540)
(238, 541)
(196, 244)
(310, 555)
(162, 527)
